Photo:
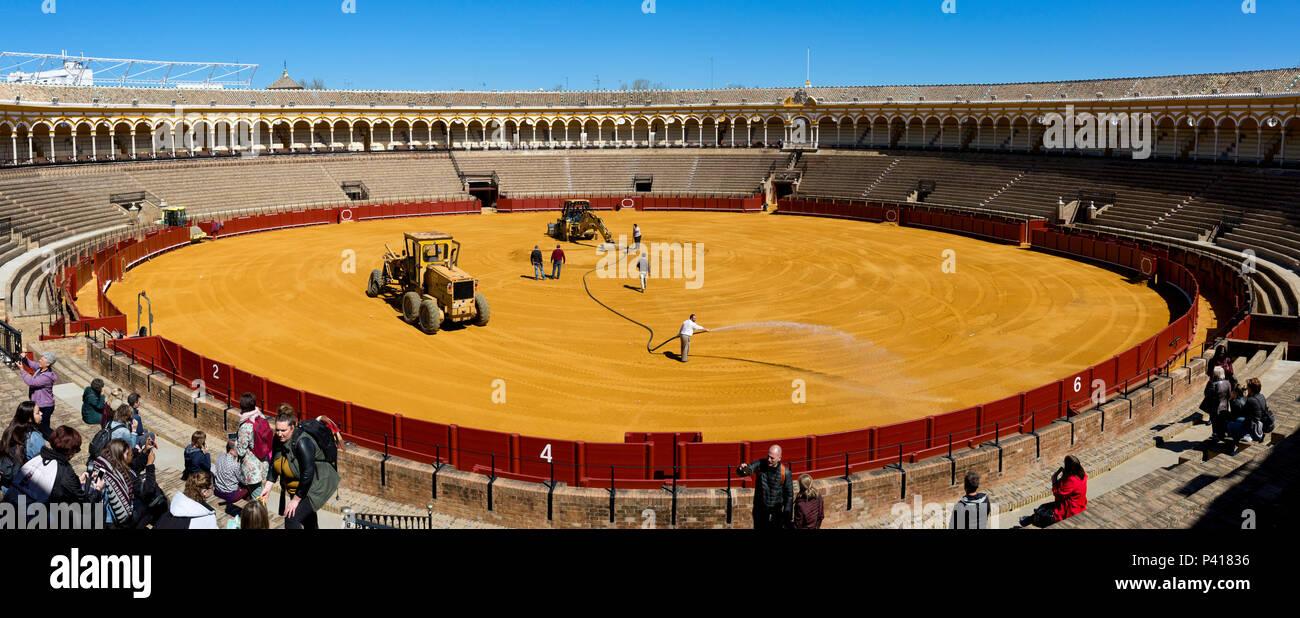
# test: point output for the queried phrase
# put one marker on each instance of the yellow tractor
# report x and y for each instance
(433, 289)
(578, 221)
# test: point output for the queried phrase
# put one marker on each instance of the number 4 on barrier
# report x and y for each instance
(546, 453)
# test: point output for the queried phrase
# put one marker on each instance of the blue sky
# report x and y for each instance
(526, 45)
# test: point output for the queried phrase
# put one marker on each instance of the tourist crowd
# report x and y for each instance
(120, 476)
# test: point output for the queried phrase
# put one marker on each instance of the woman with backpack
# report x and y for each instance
(253, 442)
(303, 462)
(128, 480)
(22, 440)
(92, 403)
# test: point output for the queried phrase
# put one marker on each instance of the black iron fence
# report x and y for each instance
(13, 342)
(375, 521)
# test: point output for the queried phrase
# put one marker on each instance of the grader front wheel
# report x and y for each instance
(430, 317)
(484, 313)
(411, 307)
(376, 284)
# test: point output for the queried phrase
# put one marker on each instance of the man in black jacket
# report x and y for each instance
(773, 490)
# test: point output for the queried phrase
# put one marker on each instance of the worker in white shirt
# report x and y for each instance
(643, 269)
(689, 328)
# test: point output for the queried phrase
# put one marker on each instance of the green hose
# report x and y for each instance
(650, 340)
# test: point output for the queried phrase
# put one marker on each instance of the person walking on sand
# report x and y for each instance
(689, 328)
(536, 258)
(557, 260)
(643, 269)
(636, 236)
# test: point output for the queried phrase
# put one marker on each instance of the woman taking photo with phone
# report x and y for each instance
(128, 479)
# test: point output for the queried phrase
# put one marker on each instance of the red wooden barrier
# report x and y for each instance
(1002, 416)
(707, 463)
(1044, 401)
(422, 440)
(245, 382)
(314, 405)
(218, 379)
(277, 394)
(534, 458)
(794, 451)
(367, 426)
(629, 462)
(475, 448)
(910, 435)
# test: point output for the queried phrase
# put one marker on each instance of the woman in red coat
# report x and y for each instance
(1070, 486)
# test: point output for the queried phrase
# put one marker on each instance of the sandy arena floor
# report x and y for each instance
(861, 313)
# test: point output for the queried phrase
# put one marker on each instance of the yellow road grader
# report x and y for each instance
(433, 289)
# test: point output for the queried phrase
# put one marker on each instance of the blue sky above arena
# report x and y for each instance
(531, 45)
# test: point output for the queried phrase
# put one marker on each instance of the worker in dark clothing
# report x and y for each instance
(536, 259)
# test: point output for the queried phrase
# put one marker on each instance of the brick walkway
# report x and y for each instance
(1216, 488)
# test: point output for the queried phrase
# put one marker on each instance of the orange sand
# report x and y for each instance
(892, 336)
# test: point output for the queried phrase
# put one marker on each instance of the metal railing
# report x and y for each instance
(377, 521)
(13, 342)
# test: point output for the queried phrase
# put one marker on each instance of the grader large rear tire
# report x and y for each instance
(411, 307)
(482, 309)
(376, 284)
(430, 317)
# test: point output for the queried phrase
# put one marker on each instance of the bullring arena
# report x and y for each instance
(862, 312)
(899, 300)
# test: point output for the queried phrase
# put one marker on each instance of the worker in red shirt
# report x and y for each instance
(557, 259)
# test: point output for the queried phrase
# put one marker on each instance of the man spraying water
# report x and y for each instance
(689, 328)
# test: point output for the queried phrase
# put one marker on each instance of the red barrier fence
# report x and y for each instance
(653, 459)
(635, 202)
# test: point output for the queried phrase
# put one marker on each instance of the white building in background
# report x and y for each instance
(73, 73)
